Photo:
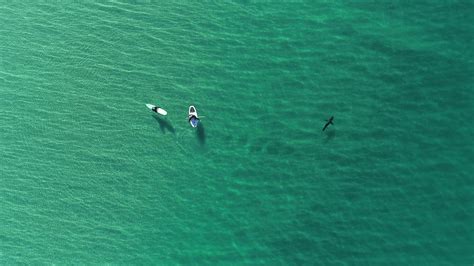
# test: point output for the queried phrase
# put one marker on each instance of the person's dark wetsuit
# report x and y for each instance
(191, 117)
(193, 120)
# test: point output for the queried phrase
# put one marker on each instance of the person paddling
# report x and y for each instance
(193, 118)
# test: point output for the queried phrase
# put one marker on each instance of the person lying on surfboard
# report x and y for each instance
(156, 109)
(193, 118)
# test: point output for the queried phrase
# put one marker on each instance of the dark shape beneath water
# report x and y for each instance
(201, 134)
(330, 134)
(165, 125)
(329, 122)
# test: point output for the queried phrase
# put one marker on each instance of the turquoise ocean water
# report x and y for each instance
(89, 176)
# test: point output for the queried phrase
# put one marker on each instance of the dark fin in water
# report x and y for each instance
(329, 122)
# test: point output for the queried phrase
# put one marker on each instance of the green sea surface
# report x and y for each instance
(88, 175)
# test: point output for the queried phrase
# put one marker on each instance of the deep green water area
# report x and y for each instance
(88, 175)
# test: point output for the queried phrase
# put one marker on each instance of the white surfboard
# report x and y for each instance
(156, 109)
(193, 117)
